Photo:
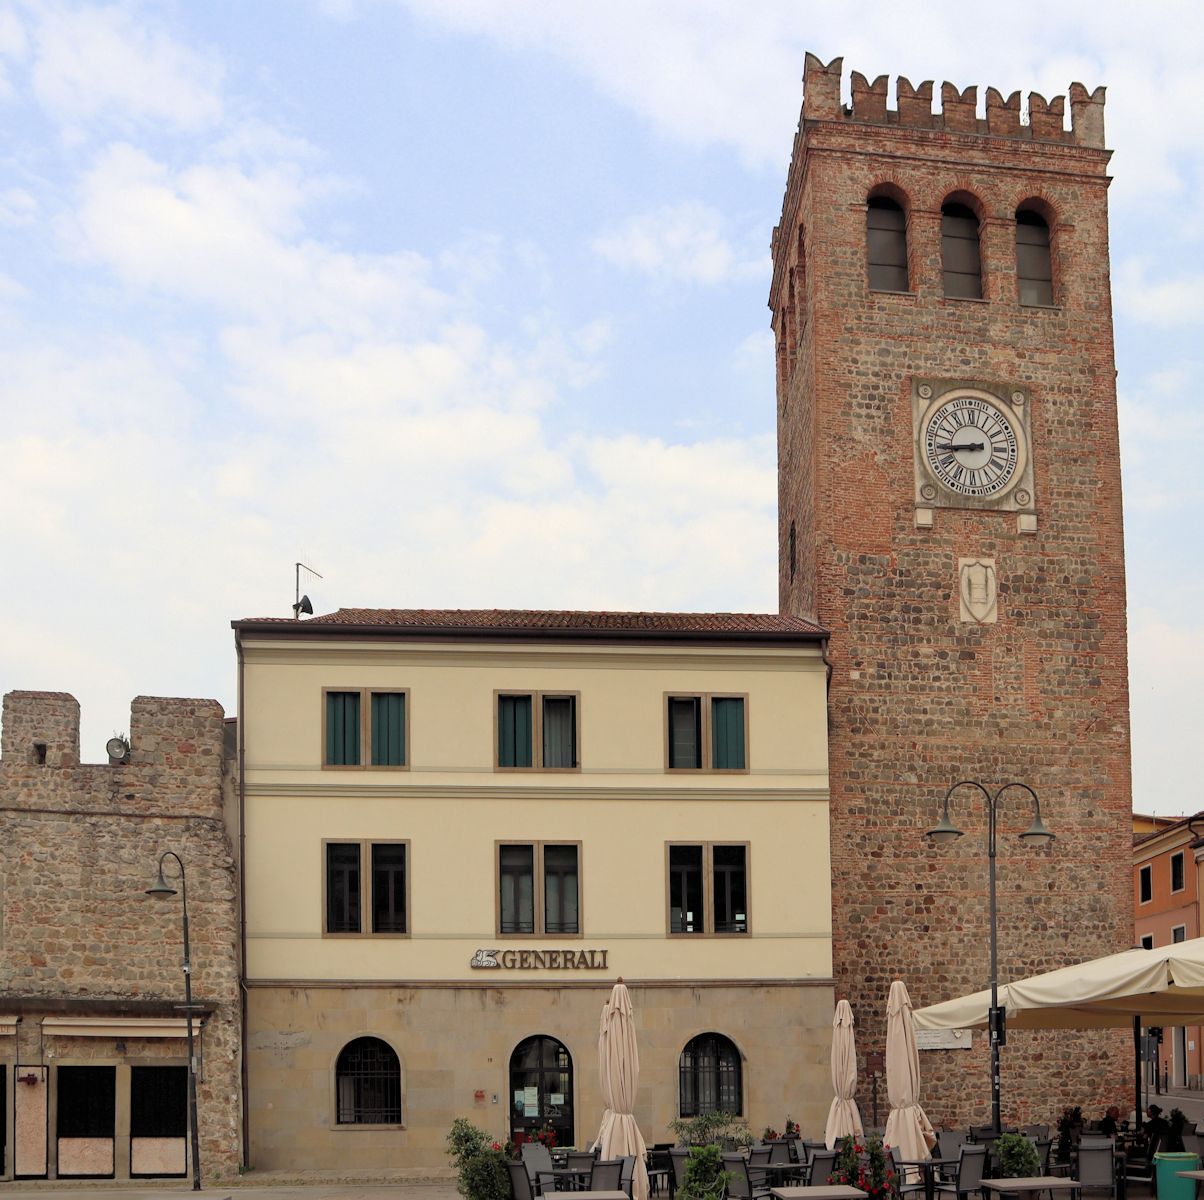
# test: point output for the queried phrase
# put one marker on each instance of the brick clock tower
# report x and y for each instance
(950, 509)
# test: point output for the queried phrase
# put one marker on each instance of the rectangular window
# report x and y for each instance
(158, 1111)
(552, 907)
(342, 729)
(1145, 884)
(1177, 883)
(1147, 941)
(530, 720)
(708, 888)
(365, 727)
(366, 877)
(706, 733)
(1178, 933)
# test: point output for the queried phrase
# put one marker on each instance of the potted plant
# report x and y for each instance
(480, 1162)
(770, 1134)
(1017, 1156)
(705, 1178)
(865, 1166)
(792, 1130)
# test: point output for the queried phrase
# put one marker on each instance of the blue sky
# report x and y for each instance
(464, 303)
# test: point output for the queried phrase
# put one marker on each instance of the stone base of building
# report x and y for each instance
(454, 1046)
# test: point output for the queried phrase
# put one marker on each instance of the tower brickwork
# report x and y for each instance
(973, 636)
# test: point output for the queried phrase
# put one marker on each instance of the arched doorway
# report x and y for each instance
(541, 1090)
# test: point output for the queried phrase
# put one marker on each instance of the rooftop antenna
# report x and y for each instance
(302, 604)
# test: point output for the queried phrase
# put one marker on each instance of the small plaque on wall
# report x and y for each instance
(943, 1039)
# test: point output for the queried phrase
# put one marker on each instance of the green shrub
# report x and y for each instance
(1017, 1156)
(480, 1162)
(705, 1177)
(721, 1128)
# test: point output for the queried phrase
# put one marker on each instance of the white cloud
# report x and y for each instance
(1164, 302)
(682, 243)
(117, 62)
(17, 207)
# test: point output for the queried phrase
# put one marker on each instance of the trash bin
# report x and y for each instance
(1170, 1186)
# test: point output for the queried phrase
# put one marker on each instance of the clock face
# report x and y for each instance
(972, 447)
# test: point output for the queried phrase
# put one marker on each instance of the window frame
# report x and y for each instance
(708, 889)
(1147, 937)
(538, 886)
(1145, 884)
(1047, 224)
(706, 700)
(962, 202)
(335, 1125)
(537, 700)
(1178, 929)
(366, 763)
(739, 1063)
(365, 845)
(891, 203)
(1178, 856)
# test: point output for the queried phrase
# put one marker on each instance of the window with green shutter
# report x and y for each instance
(514, 731)
(727, 733)
(388, 729)
(343, 729)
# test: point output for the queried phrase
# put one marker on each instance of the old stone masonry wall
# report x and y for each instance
(90, 966)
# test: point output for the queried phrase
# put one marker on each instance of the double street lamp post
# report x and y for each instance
(162, 888)
(1036, 835)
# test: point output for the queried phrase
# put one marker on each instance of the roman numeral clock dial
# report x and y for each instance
(971, 448)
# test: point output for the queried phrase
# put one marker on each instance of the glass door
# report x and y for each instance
(541, 1090)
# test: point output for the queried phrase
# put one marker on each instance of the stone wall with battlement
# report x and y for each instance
(79, 936)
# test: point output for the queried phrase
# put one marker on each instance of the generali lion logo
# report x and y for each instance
(485, 958)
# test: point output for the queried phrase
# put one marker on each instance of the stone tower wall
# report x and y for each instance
(80, 848)
(920, 698)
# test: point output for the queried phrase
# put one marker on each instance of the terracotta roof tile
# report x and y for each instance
(550, 621)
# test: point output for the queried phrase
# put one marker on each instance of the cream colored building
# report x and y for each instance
(459, 828)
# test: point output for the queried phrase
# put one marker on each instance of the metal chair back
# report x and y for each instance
(739, 1185)
(627, 1173)
(678, 1157)
(949, 1141)
(580, 1160)
(537, 1158)
(971, 1162)
(822, 1164)
(1096, 1166)
(520, 1181)
(779, 1151)
(607, 1175)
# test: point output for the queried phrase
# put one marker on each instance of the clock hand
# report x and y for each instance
(964, 446)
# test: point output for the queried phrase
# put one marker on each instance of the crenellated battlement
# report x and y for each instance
(958, 111)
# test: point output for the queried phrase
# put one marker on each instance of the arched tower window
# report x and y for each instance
(886, 244)
(959, 252)
(709, 1077)
(1034, 268)
(368, 1084)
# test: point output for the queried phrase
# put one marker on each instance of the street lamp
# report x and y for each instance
(1036, 835)
(162, 888)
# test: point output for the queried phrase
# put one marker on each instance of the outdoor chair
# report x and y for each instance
(660, 1170)
(980, 1133)
(1044, 1147)
(758, 1157)
(520, 1181)
(971, 1160)
(607, 1175)
(904, 1188)
(821, 1166)
(779, 1151)
(1036, 1132)
(579, 1160)
(627, 1174)
(1141, 1169)
(538, 1162)
(948, 1143)
(739, 1179)
(1096, 1167)
(678, 1157)
(1193, 1143)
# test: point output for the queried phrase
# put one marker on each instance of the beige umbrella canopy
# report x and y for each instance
(619, 1073)
(843, 1118)
(1163, 987)
(907, 1127)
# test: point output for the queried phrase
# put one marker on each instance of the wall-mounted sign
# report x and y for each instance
(943, 1039)
(539, 960)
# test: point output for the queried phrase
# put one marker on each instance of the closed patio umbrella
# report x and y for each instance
(843, 1118)
(907, 1127)
(619, 1073)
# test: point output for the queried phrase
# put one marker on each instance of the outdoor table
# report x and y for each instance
(599, 1196)
(929, 1167)
(1031, 1183)
(829, 1191)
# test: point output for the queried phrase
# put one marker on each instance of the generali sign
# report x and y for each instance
(539, 960)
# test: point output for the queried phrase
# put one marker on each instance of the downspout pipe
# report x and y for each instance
(244, 1072)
